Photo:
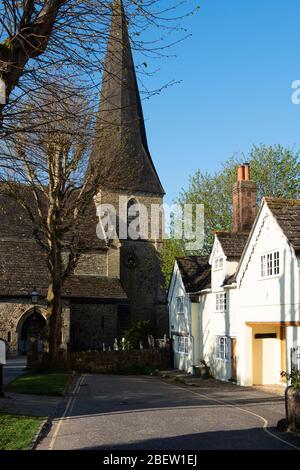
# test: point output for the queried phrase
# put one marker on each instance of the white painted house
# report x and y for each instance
(239, 309)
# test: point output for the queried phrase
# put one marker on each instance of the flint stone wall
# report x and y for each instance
(111, 361)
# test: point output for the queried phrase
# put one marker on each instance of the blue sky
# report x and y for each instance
(236, 72)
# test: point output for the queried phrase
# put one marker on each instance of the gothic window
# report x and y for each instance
(133, 227)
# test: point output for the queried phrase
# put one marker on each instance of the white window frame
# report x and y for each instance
(183, 344)
(221, 301)
(218, 263)
(270, 264)
(276, 263)
(222, 348)
(180, 305)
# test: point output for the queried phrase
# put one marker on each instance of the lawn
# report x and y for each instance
(17, 432)
(53, 383)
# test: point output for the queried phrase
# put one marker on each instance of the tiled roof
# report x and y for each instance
(23, 267)
(15, 223)
(94, 287)
(229, 280)
(195, 272)
(287, 214)
(233, 243)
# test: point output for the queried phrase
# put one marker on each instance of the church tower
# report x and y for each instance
(123, 162)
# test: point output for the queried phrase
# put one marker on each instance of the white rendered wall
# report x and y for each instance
(270, 300)
(180, 323)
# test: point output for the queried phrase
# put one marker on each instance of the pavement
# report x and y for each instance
(107, 412)
(13, 368)
(25, 404)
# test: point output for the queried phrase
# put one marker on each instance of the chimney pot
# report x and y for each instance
(247, 171)
(241, 173)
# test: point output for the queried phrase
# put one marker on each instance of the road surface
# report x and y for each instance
(128, 413)
(13, 368)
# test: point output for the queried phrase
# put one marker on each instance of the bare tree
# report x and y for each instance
(51, 183)
(51, 59)
(66, 39)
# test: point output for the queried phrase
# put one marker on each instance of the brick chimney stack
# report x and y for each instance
(243, 200)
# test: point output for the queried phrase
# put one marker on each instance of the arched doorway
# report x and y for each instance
(34, 321)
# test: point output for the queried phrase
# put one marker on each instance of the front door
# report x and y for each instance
(40, 323)
(233, 360)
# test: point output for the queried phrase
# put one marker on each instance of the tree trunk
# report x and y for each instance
(54, 302)
(30, 40)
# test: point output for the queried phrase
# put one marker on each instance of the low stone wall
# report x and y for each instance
(116, 361)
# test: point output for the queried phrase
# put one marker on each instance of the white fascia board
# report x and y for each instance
(262, 205)
(216, 243)
(172, 281)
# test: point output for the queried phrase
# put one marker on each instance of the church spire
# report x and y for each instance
(120, 155)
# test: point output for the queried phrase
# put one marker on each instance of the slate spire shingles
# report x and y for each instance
(120, 154)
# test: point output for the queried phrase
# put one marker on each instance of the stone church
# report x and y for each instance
(114, 284)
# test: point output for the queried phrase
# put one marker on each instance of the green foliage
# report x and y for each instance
(171, 249)
(276, 171)
(293, 377)
(139, 331)
(53, 384)
(17, 432)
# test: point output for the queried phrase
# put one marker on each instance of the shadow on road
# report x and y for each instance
(247, 439)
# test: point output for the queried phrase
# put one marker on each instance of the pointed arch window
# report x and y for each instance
(133, 223)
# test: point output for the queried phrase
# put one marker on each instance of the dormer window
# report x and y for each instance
(269, 264)
(218, 263)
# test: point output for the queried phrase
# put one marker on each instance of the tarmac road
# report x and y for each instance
(13, 368)
(110, 412)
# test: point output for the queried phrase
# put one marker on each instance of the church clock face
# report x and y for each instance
(130, 260)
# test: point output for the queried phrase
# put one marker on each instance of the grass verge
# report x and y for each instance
(52, 383)
(17, 432)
